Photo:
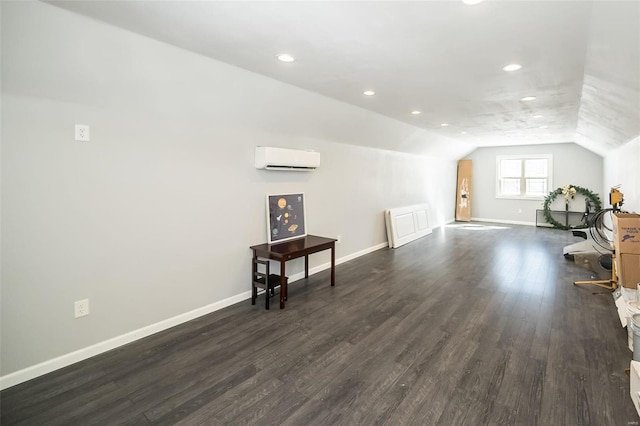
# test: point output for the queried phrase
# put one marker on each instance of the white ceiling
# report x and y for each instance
(581, 59)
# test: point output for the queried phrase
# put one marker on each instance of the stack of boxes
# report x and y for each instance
(626, 240)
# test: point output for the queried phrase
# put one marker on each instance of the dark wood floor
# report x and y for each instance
(465, 326)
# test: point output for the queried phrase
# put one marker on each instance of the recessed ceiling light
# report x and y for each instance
(538, 116)
(463, 133)
(528, 98)
(512, 67)
(285, 57)
(368, 93)
(444, 124)
(471, 2)
(543, 127)
(416, 112)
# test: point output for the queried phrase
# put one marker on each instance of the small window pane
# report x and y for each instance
(535, 167)
(510, 186)
(510, 168)
(536, 187)
(526, 176)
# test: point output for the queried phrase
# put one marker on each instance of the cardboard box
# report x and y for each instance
(626, 233)
(628, 270)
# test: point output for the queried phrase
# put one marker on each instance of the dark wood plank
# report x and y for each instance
(463, 327)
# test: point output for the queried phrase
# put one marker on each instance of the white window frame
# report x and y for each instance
(522, 196)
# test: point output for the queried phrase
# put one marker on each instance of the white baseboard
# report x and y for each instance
(510, 222)
(93, 350)
(361, 253)
(65, 360)
(324, 266)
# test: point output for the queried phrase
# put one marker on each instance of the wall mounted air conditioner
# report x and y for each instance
(270, 158)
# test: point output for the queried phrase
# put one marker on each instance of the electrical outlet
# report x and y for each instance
(81, 308)
(82, 132)
(339, 238)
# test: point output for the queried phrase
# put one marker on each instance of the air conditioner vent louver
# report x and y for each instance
(269, 158)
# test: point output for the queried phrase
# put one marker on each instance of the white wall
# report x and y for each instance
(622, 167)
(572, 164)
(153, 217)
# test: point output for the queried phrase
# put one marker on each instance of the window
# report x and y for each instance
(523, 176)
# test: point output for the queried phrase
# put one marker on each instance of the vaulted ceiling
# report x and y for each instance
(445, 59)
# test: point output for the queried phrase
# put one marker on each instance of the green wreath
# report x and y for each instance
(592, 196)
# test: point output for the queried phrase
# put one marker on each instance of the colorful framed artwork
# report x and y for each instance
(285, 217)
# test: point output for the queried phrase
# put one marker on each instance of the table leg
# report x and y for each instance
(254, 289)
(306, 266)
(333, 265)
(283, 284)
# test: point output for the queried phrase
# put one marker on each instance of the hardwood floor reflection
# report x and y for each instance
(470, 325)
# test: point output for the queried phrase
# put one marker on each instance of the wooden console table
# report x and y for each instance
(294, 249)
